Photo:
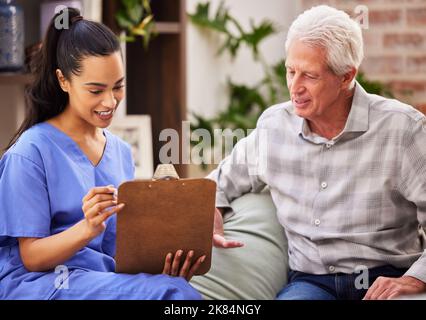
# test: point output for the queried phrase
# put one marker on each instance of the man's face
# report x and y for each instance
(314, 89)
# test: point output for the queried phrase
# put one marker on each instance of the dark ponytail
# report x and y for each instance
(62, 49)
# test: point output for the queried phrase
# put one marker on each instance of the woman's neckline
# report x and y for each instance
(77, 146)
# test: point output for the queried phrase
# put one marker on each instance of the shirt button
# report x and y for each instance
(331, 268)
(324, 185)
(317, 222)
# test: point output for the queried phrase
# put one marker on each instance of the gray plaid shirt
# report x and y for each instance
(356, 200)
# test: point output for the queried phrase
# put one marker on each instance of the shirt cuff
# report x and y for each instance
(222, 200)
(418, 269)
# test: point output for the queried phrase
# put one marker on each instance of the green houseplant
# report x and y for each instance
(136, 19)
(246, 103)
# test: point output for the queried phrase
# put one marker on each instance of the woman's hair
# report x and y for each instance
(65, 45)
(332, 30)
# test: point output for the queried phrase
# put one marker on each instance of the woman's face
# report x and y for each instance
(94, 95)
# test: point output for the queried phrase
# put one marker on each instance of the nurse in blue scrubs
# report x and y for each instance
(59, 175)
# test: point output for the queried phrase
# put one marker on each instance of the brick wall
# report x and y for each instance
(395, 43)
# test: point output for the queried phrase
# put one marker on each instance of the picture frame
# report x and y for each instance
(136, 130)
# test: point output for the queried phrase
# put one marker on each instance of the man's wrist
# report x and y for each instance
(415, 282)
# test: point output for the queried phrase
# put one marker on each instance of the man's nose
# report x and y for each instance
(296, 85)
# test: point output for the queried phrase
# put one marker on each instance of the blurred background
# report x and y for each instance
(216, 64)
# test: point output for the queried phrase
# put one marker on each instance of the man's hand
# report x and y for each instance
(389, 288)
(219, 240)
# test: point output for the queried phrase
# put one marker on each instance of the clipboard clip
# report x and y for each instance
(165, 172)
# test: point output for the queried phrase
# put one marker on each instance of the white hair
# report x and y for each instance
(332, 30)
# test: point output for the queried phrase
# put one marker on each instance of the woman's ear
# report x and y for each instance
(63, 82)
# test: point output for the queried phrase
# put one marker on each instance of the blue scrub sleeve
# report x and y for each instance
(24, 200)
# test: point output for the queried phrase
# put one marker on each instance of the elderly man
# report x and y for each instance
(346, 171)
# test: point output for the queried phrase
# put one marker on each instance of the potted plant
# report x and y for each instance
(135, 18)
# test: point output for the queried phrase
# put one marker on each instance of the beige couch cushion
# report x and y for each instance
(259, 269)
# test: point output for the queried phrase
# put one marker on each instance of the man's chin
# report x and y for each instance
(303, 113)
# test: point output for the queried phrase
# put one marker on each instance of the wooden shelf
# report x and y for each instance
(156, 78)
(168, 27)
(15, 79)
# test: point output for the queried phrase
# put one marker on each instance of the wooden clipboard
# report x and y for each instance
(164, 216)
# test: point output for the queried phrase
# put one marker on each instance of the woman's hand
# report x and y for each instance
(44, 254)
(171, 265)
(98, 205)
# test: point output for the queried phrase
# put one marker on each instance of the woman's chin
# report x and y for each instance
(102, 123)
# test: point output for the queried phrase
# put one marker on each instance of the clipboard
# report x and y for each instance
(163, 216)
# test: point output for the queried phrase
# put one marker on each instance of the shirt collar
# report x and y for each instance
(358, 116)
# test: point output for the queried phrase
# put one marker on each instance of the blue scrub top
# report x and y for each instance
(43, 179)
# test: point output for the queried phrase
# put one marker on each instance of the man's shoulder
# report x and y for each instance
(381, 106)
(275, 112)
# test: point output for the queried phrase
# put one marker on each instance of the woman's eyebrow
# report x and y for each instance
(120, 80)
(98, 84)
